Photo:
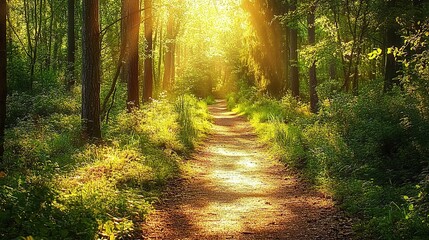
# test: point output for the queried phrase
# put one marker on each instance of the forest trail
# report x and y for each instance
(236, 191)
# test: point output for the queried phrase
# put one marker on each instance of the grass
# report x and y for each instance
(56, 187)
(367, 153)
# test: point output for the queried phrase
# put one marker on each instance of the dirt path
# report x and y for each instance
(235, 191)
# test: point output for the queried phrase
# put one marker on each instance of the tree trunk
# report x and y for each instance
(173, 64)
(33, 11)
(48, 57)
(160, 57)
(71, 45)
(355, 80)
(168, 59)
(91, 70)
(287, 58)
(3, 75)
(133, 74)
(294, 71)
(314, 99)
(148, 62)
(391, 66)
(124, 39)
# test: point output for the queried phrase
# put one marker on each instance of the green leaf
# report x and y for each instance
(379, 51)
(389, 50)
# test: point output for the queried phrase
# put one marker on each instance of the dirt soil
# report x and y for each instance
(234, 190)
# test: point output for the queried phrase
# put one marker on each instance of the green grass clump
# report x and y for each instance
(56, 187)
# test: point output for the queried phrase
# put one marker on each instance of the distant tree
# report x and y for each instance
(148, 62)
(158, 41)
(286, 50)
(293, 41)
(169, 54)
(124, 40)
(133, 74)
(3, 83)
(312, 70)
(33, 15)
(392, 39)
(91, 70)
(71, 45)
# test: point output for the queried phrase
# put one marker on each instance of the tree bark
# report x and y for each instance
(148, 62)
(314, 99)
(294, 71)
(91, 70)
(133, 75)
(124, 39)
(49, 40)
(3, 75)
(71, 45)
(168, 59)
(173, 63)
(287, 58)
(392, 39)
(160, 56)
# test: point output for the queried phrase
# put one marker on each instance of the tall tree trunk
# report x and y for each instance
(133, 74)
(173, 64)
(48, 57)
(71, 45)
(314, 99)
(355, 80)
(392, 39)
(33, 11)
(148, 62)
(154, 46)
(294, 71)
(56, 52)
(29, 42)
(287, 58)
(168, 58)
(91, 70)
(160, 59)
(124, 38)
(3, 75)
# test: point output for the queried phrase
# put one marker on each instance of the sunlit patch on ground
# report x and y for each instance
(237, 181)
(247, 163)
(233, 217)
(230, 152)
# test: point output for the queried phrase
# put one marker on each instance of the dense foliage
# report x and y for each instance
(57, 187)
(370, 152)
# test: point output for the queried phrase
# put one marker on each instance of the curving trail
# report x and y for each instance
(236, 191)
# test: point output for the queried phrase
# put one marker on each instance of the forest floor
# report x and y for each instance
(235, 190)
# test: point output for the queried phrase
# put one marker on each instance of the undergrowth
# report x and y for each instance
(370, 153)
(56, 187)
